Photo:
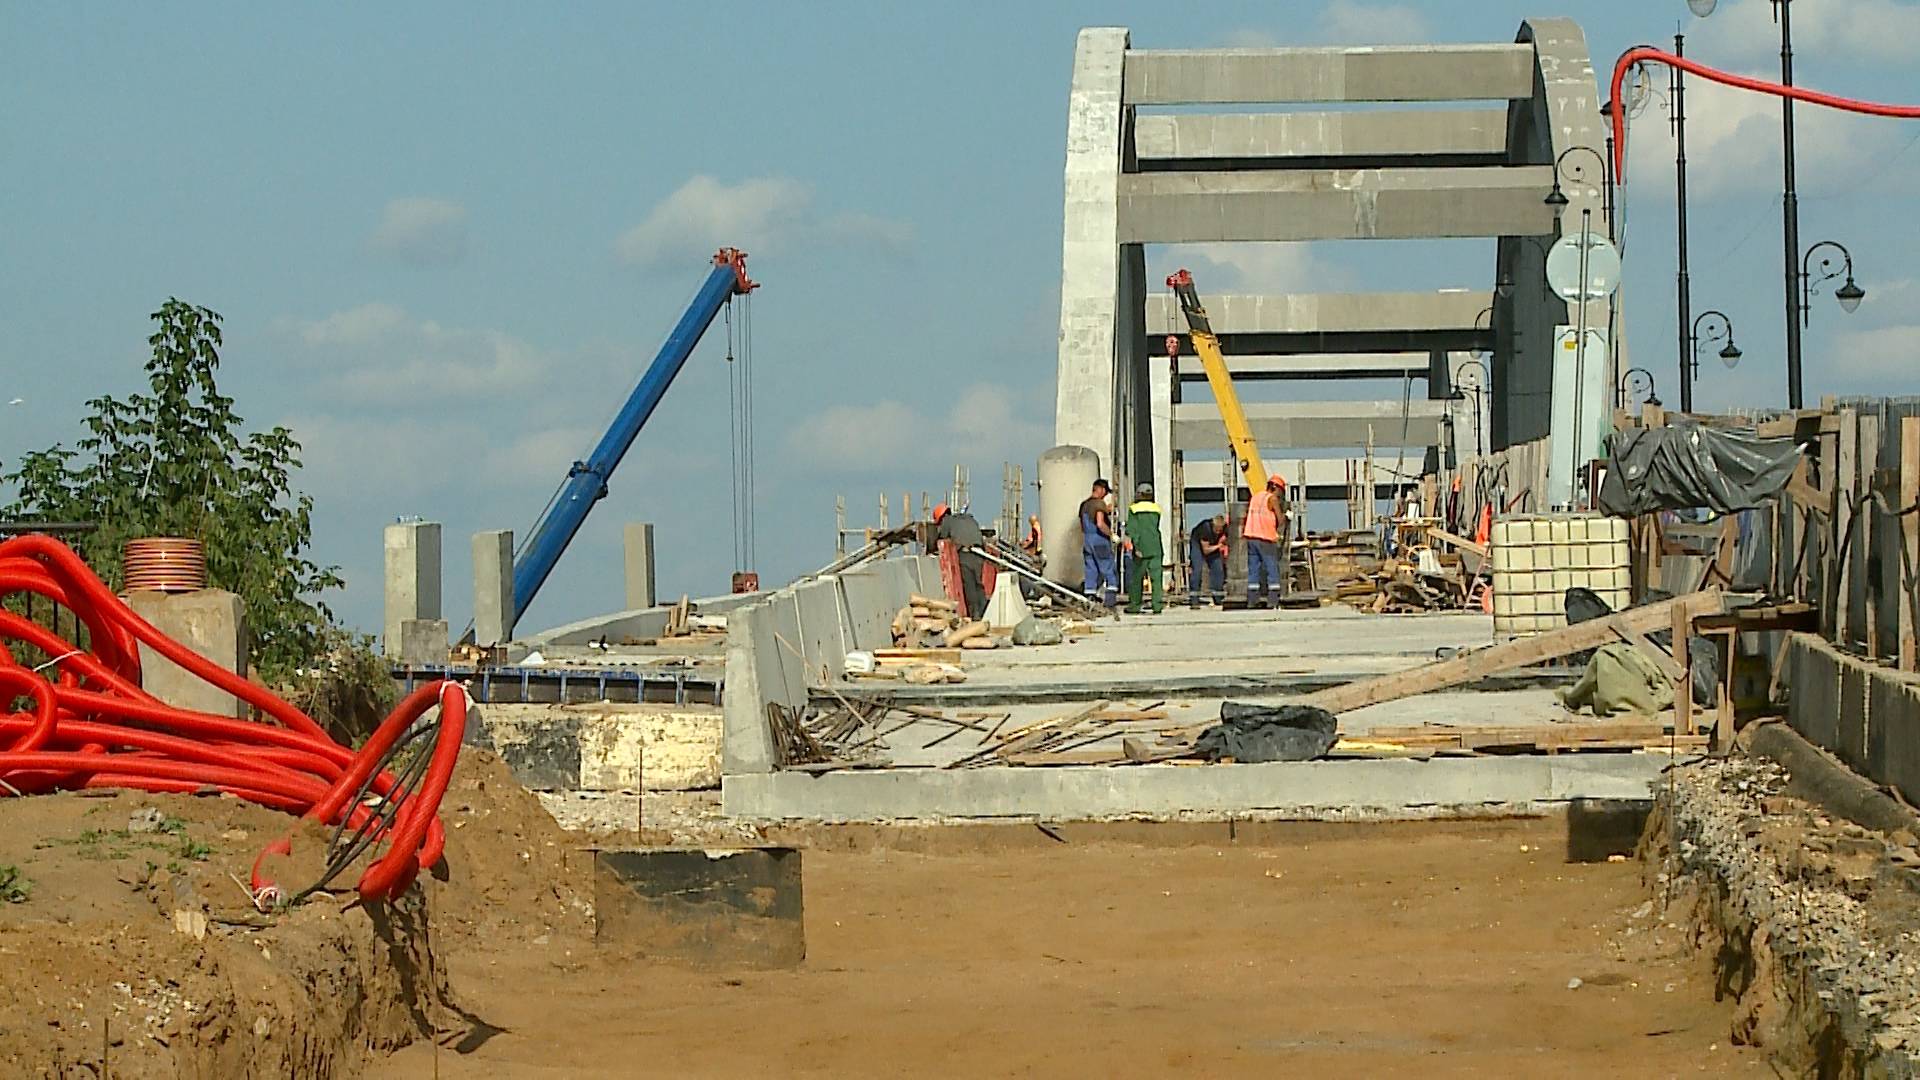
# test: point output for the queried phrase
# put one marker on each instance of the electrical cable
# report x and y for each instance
(92, 725)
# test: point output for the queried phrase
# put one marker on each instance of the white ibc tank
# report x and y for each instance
(1066, 474)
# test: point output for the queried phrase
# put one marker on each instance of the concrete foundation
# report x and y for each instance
(212, 623)
(705, 908)
(1865, 715)
(423, 643)
(604, 746)
(412, 578)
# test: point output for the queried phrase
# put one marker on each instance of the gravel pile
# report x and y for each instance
(1836, 905)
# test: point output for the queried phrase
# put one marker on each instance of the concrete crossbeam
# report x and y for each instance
(1334, 204)
(1446, 309)
(1317, 472)
(1164, 140)
(1308, 424)
(1392, 365)
(1352, 73)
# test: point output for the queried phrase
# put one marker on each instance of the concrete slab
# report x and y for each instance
(1304, 425)
(869, 596)
(1893, 731)
(754, 678)
(1162, 140)
(783, 628)
(1333, 204)
(1303, 789)
(1329, 73)
(1813, 680)
(822, 641)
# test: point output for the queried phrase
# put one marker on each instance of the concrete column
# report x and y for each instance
(1160, 395)
(412, 578)
(212, 623)
(493, 587)
(1089, 376)
(639, 546)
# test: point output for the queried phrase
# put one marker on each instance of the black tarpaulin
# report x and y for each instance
(1685, 465)
(1252, 733)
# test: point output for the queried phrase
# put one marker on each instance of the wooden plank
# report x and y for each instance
(1804, 492)
(1460, 542)
(1661, 658)
(1505, 657)
(1861, 602)
(1836, 616)
(1909, 526)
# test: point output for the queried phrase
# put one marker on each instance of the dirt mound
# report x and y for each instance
(511, 874)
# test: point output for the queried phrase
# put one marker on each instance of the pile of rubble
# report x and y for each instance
(1815, 922)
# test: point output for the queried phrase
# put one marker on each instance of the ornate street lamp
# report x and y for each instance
(1729, 352)
(1848, 294)
(1638, 389)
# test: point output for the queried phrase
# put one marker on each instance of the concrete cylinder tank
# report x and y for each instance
(1066, 474)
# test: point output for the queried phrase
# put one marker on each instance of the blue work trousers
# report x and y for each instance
(1213, 568)
(1263, 568)
(1101, 581)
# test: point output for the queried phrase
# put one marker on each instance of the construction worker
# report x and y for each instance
(1266, 525)
(1143, 543)
(964, 533)
(1102, 580)
(1209, 566)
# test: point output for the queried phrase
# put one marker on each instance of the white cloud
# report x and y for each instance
(378, 354)
(1863, 31)
(1346, 22)
(1373, 24)
(423, 231)
(1733, 144)
(892, 438)
(760, 214)
(1869, 358)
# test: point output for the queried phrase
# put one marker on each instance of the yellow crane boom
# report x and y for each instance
(1246, 453)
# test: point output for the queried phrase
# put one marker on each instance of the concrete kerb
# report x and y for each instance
(1307, 789)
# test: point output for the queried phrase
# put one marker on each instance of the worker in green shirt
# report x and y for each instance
(1143, 541)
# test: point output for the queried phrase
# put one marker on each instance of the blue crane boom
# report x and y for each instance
(586, 481)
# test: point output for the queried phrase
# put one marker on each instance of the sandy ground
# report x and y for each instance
(1310, 950)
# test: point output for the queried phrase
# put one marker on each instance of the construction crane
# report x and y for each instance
(586, 481)
(1240, 436)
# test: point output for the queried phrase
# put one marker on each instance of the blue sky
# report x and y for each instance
(447, 238)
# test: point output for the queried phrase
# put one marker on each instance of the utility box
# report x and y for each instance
(1537, 558)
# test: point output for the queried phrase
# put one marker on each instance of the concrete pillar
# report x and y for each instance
(1090, 379)
(423, 643)
(212, 623)
(639, 546)
(412, 579)
(1163, 387)
(493, 587)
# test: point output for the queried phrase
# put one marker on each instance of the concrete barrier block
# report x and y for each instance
(822, 631)
(1850, 718)
(1893, 734)
(753, 672)
(1813, 679)
(211, 622)
(870, 606)
(783, 617)
(705, 908)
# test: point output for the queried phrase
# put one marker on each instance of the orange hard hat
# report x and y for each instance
(939, 512)
(1276, 480)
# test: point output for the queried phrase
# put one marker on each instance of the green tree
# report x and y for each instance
(175, 462)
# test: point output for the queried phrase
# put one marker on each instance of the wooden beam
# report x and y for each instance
(1460, 542)
(1661, 658)
(1505, 657)
(1838, 616)
(1803, 491)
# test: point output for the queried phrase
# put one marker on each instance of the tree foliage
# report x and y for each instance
(176, 462)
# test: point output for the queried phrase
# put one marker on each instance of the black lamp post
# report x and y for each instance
(1790, 200)
(1638, 389)
(1848, 294)
(1729, 352)
(1472, 377)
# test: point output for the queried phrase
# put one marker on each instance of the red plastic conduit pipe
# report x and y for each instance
(1645, 53)
(91, 725)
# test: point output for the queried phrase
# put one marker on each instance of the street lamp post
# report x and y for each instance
(1790, 200)
(1642, 386)
(1848, 294)
(1729, 352)
(1678, 88)
(1466, 381)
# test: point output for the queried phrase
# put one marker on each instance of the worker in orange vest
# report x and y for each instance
(1266, 524)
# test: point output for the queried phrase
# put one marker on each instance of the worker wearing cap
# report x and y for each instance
(1266, 524)
(1102, 580)
(1143, 542)
(964, 531)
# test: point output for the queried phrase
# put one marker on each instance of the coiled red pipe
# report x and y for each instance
(1645, 53)
(92, 725)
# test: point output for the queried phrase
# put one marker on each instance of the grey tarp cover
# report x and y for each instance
(1252, 733)
(1685, 465)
